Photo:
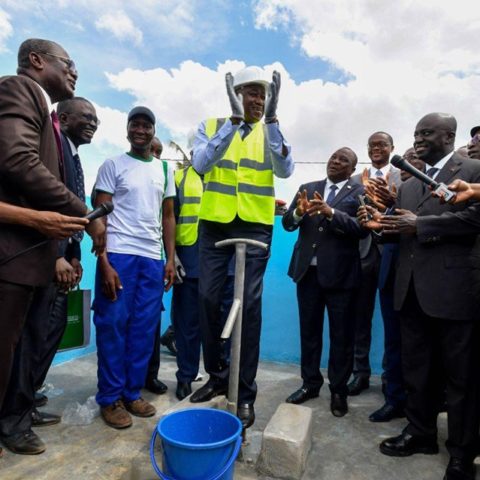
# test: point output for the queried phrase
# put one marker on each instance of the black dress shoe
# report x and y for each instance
(459, 469)
(246, 414)
(184, 389)
(208, 391)
(302, 395)
(28, 443)
(40, 399)
(358, 385)
(154, 385)
(168, 340)
(44, 419)
(386, 413)
(405, 445)
(338, 405)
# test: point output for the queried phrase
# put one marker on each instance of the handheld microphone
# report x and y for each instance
(102, 210)
(440, 189)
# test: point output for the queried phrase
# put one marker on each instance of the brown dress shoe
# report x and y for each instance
(141, 408)
(115, 415)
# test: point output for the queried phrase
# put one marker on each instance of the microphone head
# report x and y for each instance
(397, 161)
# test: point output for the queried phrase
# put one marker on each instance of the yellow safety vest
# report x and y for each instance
(241, 183)
(190, 190)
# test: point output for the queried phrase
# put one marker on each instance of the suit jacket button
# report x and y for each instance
(411, 256)
(320, 229)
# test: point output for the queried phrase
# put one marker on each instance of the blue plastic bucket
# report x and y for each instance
(197, 444)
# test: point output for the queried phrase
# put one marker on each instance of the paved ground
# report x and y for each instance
(343, 449)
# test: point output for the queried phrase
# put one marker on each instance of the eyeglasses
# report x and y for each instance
(68, 61)
(380, 145)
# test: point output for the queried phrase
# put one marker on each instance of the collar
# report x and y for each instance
(386, 169)
(329, 183)
(441, 163)
(73, 148)
(46, 96)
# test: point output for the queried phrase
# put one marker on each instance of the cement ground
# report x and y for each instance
(342, 449)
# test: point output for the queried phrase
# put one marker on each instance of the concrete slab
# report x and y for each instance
(286, 442)
(342, 448)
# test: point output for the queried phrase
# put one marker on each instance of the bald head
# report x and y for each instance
(434, 137)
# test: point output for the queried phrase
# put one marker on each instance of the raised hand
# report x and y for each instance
(236, 100)
(404, 221)
(369, 218)
(272, 98)
(302, 204)
(318, 206)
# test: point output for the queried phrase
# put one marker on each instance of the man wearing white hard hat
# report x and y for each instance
(239, 157)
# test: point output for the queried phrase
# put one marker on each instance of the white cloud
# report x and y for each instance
(6, 30)
(120, 26)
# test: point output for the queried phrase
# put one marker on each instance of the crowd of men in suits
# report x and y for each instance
(376, 230)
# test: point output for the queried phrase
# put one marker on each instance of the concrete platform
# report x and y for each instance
(342, 449)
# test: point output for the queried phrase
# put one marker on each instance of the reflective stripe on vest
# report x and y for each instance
(190, 191)
(241, 183)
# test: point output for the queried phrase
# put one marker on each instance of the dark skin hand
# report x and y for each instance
(318, 206)
(65, 276)
(75, 262)
(369, 218)
(168, 223)
(404, 222)
(110, 279)
(384, 195)
(302, 203)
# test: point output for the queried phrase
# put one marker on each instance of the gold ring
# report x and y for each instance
(318, 212)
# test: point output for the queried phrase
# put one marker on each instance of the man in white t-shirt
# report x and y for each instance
(132, 275)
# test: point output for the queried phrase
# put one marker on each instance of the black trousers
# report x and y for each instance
(213, 275)
(57, 303)
(363, 313)
(14, 305)
(436, 350)
(15, 415)
(312, 300)
(395, 389)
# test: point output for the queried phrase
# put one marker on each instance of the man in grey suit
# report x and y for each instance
(437, 291)
(380, 147)
(30, 176)
(325, 266)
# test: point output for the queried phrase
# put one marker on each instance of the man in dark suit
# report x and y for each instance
(437, 291)
(30, 176)
(325, 266)
(78, 122)
(380, 147)
(394, 389)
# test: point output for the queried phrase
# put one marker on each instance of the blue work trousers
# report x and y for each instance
(125, 327)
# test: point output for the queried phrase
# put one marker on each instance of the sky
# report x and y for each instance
(348, 68)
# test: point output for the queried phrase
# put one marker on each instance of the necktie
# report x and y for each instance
(56, 133)
(432, 171)
(331, 195)
(244, 130)
(80, 182)
(378, 173)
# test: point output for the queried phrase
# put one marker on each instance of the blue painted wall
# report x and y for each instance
(280, 331)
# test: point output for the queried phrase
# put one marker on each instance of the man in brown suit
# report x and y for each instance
(31, 169)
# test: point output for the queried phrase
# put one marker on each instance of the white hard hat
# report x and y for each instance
(250, 75)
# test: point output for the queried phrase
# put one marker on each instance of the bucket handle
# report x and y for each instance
(163, 476)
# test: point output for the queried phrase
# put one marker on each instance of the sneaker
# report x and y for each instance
(141, 408)
(115, 415)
